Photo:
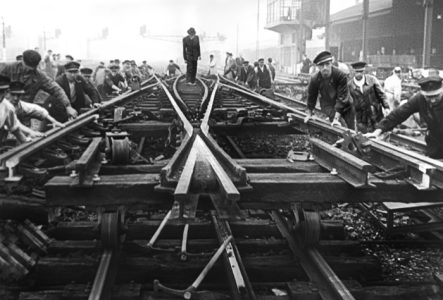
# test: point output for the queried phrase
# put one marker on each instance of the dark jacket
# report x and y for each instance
(431, 114)
(34, 80)
(334, 92)
(264, 77)
(368, 105)
(81, 89)
(191, 48)
(247, 76)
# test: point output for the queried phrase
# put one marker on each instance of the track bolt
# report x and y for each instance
(73, 174)
(334, 171)
(96, 178)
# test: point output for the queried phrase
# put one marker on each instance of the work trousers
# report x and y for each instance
(191, 71)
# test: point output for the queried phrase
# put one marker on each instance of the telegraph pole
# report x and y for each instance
(257, 46)
(426, 59)
(327, 12)
(4, 41)
(364, 45)
(237, 40)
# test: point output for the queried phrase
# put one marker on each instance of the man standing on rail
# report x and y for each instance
(368, 98)
(26, 71)
(191, 54)
(429, 104)
(332, 86)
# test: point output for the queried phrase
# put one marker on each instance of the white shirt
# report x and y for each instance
(393, 86)
(8, 118)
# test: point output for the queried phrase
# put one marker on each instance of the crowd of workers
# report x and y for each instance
(358, 102)
(69, 89)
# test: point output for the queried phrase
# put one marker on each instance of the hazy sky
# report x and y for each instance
(84, 19)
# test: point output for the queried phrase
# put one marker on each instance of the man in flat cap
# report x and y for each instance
(428, 102)
(264, 76)
(368, 98)
(26, 72)
(114, 81)
(26, 111)
(230, 66)
(191, 54)
(331, 85)
(8, 118)
(247, 76)
(86, 73)
(76, 87)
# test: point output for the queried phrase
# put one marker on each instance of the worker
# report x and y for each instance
(26, 71)
(264, 75)
(26, 111)
(368, 98)
(393, 88)
(191, 54)
(247, 75)
(9, 122)
(332, 85)
(171, 68)
(428, 102)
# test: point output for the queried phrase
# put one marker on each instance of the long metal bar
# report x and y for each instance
(319, 272)
(27, 149)
(187, 125)
(204, 125)
(239, 281)
(348, 167)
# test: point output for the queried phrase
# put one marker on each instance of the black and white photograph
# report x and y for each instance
(221, 149)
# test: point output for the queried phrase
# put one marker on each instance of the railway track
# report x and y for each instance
(147, 166)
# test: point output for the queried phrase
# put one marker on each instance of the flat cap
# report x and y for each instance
(323, 57)
(4, 82)
(191, 30)
(72, 65)
(359, 65)
(246, 62)
(17, 87)
(431, 86)
(86, 71)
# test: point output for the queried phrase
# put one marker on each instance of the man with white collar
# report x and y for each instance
(264, 75)
(429, 104)
(368, 97)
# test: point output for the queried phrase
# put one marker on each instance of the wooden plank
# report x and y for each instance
(278, 165)
(110, 190)
(280, 188)
(55, 271)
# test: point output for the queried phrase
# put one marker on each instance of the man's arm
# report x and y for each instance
(380, 94)
(89, 90)
(184, 49)
(312, 93)
(198, 47)
(343, 98)
(400, 114)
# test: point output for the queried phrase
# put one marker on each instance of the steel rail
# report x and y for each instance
(186, 124)
(205, 123)
(177, 93)
(319, 272)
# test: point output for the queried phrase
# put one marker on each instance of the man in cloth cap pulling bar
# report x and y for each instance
(331, 85)
(428, 102)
